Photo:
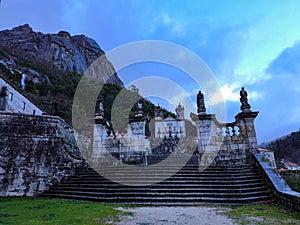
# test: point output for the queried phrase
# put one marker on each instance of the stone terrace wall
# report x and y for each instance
(35, 153)
(279, 187)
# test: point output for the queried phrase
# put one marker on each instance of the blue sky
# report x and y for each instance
(255, 44)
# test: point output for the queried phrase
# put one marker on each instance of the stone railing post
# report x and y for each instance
(99, 137)
(245, 121)
(207, 135)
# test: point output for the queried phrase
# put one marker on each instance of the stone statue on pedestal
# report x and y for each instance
(100, 112)
(200, 103)
(244, 100)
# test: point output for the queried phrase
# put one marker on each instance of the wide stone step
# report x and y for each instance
(168, 181)
(154, 194)
(164, 176)
(243, 166)
(163, 173)
(174, 181)
(171, 167)
(163, 193)
(170, 200)
(232, 189)
(163, 186)
(167, 174)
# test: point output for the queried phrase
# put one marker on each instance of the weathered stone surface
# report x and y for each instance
(33, 155)
(222, 138)
(278, 186)
(2, 171)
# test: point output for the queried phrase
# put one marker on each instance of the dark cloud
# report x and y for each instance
(287, 63)
(279, 103)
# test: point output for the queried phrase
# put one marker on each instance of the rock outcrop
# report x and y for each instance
(61, 51)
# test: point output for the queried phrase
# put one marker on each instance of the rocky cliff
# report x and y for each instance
(61, 51)
(48, 67)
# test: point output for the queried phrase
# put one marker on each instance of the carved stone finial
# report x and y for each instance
(158, 112)
(200, 103)
(244, 100)
(180, 112)
(139, 110)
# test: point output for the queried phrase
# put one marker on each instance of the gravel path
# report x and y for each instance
(175, 216)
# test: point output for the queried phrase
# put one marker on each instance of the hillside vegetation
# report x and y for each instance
(48, 67)
(287, 148)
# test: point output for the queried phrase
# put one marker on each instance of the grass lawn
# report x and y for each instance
(56, 211)
(263, 215)
(59, 212)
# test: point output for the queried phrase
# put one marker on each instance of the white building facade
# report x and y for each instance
(11, 100)
(169, 127)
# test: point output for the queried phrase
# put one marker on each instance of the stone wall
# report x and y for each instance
(122, 144)
(16, 102)
(226, 143)
(280, 189)
(35, 153)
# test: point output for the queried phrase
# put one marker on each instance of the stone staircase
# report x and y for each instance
(222, 185)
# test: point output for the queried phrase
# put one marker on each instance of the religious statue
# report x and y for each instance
(200, 103)
(244, 99)
(101, 107)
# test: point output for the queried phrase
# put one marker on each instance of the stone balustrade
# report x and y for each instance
(226, 143)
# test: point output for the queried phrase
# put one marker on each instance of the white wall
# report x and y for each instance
(17, 102)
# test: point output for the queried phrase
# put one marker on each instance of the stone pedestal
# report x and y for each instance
(245, 121)
(98, 141)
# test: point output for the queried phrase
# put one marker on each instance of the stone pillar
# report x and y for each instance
(207, 145)
(137, 126)
(204, 126)
(99, 137)
(245, 121)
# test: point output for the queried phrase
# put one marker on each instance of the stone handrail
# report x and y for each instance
(279, 187)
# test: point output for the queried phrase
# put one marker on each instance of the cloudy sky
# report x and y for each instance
(244, 43)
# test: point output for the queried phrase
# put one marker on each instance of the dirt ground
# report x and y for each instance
(175, 216)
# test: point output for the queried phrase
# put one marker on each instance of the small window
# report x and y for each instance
(33, 112)
(24, 105)
(11, 96)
